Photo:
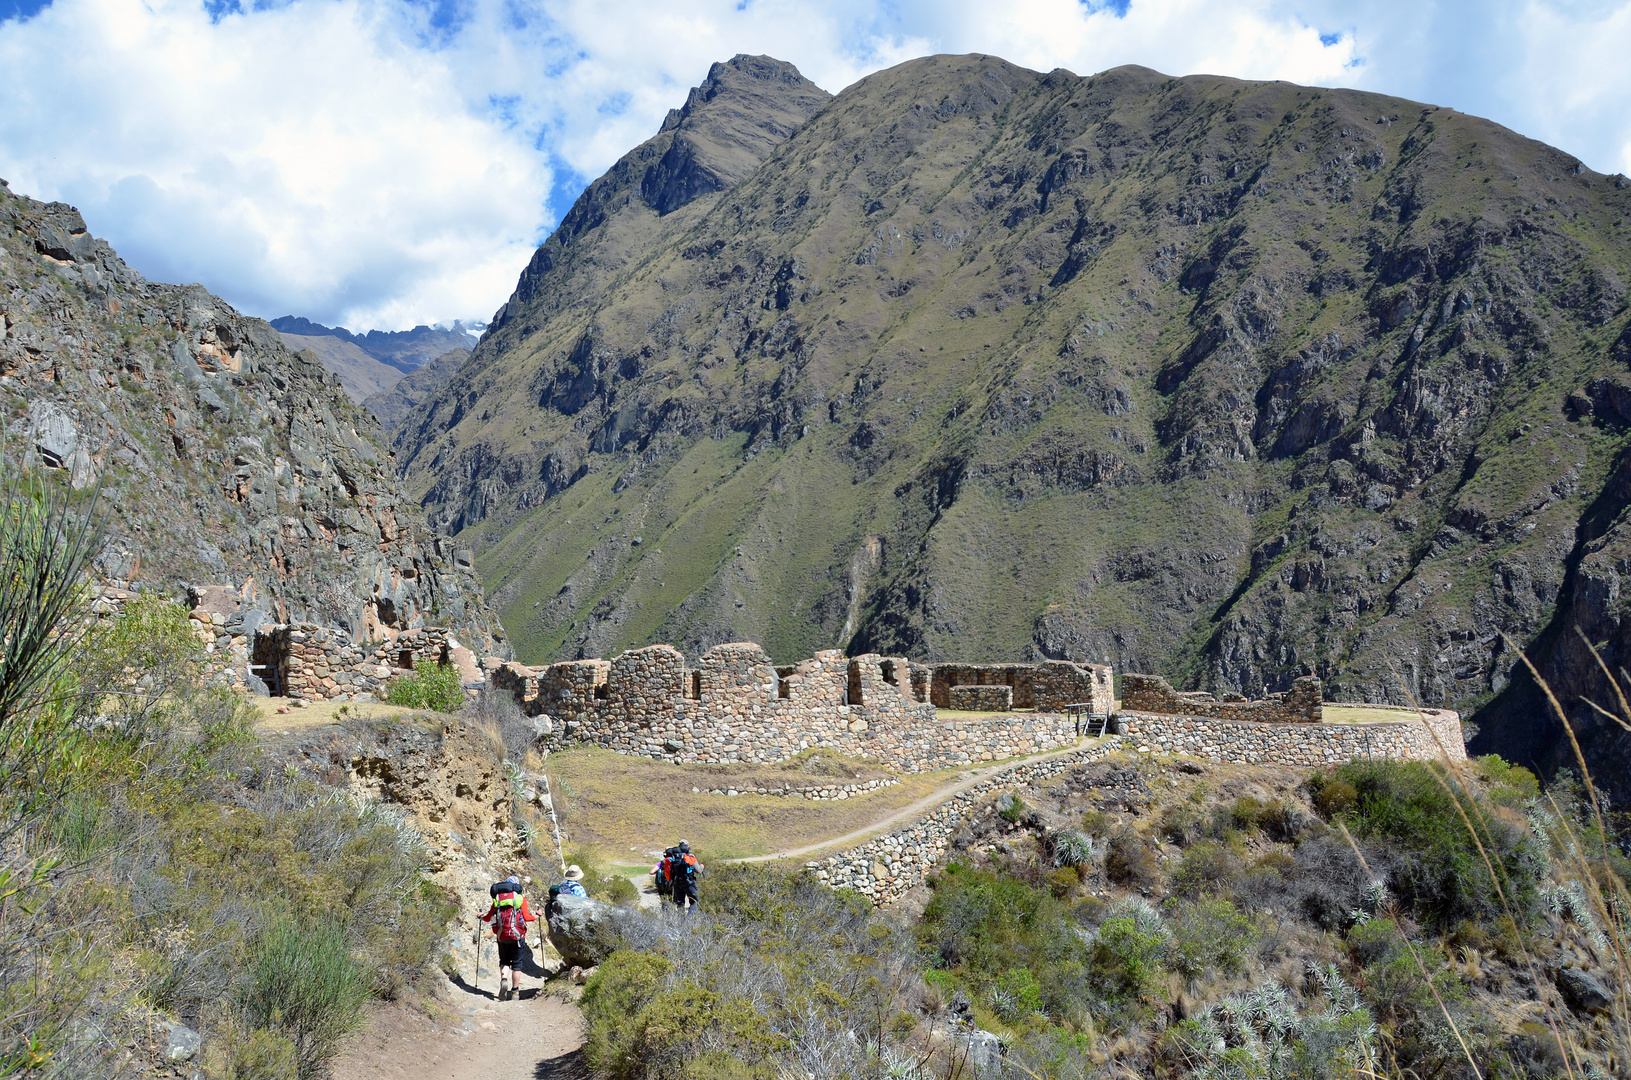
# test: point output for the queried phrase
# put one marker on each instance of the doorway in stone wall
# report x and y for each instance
(266, 662)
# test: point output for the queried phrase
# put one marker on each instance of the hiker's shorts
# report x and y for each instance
(508, 953)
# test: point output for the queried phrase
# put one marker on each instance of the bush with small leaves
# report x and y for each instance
(1210, 937)
(429, 686)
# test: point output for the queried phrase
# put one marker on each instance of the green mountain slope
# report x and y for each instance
(1230, 380)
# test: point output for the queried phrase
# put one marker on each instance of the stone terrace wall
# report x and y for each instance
(1046, 687)
(1153, 694)
(1251, 743)
(887, 867)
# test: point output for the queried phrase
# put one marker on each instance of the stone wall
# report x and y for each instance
(1047, 687)
(820, 792)
(982, 698)
(1252, 743)
(1153, 694)
(737, 705)
(320, 663)
(887, 867)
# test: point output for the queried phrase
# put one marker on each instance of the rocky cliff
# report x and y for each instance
(1235, 381)
(223, 457)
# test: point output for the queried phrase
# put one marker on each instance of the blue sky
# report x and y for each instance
(381, 163)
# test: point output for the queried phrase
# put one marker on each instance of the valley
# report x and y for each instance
(1067, 552)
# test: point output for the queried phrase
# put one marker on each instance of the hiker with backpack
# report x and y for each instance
(508, 916)
(682, 871)
(572, 886)
(661, 883)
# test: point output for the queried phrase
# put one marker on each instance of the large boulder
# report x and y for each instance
(585, 932)
(982, 1050)
(1584, 992)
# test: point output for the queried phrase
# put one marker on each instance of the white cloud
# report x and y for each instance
(305, 159)
(348, 160)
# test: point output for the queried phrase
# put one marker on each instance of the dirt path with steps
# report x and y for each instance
(917, 809)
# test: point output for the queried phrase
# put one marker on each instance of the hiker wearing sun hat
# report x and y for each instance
(573, 885)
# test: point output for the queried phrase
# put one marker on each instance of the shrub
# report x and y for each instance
(1131, 862)
(429, 686)
(1128, 949)
(1181, 824)
(1207, 867)
(1332, 795)
(1010, 807)
(1210, 936)
(303, 980)
(619, 890)
(1510, 785)
(980, 925)
(1439, 872)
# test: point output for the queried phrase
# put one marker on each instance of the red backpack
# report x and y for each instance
(510, 922)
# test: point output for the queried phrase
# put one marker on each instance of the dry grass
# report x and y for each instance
(625, 807)
(962, 716)
(317, 713)
(1352, 714)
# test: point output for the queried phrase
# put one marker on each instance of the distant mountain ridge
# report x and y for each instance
(1235, 381)
(404, 350)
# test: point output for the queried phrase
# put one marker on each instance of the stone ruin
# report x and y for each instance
(1302, 704)
(738, 705)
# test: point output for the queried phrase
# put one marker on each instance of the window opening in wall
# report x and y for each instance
(695, 689)
(784, 688)
(602, 692)
(887, 670)
(404, 659)
(853, 693)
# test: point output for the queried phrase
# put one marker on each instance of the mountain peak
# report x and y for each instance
(744, 109)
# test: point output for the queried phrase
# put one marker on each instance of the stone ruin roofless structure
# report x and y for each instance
(737, 705)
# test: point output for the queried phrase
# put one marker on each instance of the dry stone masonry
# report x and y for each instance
(825, 792)
(1302, 704)
(887, 867)
(1435, 735)
(738, 705)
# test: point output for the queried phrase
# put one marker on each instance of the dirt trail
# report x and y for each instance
(965, 781)
(476, 1038)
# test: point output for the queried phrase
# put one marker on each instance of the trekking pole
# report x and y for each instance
(478, 956)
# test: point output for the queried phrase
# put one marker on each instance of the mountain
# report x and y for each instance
(390, 404)
(404, 350)
(223, 457)
(361, 376)
(1230, 380)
